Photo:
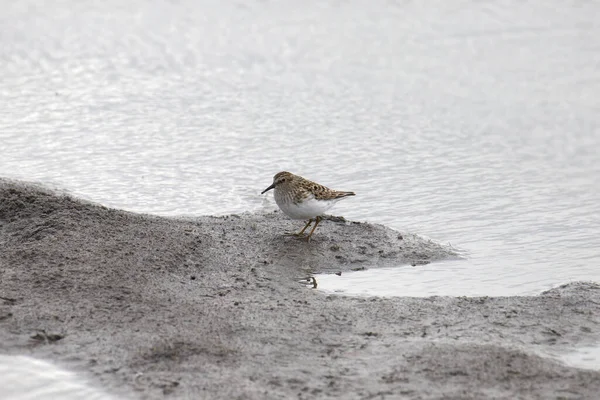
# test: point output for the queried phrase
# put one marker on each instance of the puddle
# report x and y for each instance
(449, 278)
(26, 378)
(587, 357)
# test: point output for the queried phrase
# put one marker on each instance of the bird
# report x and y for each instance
(300, 198)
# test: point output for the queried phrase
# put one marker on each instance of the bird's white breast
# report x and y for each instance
(306, 209)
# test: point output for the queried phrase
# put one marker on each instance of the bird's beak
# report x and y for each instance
(269, 188)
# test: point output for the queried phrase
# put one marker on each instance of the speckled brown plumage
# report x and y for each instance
(302, 187)
(300, 198)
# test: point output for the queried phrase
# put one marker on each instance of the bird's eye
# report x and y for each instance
(283, 180)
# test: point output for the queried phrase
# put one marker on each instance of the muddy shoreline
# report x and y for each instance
(211, 307)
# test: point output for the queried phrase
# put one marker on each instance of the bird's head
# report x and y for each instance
(280, 179)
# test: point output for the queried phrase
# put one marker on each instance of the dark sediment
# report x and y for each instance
(211, 308)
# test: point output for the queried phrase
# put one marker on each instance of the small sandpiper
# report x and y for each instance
(300, 198)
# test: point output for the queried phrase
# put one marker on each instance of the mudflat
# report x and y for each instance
(213, 307)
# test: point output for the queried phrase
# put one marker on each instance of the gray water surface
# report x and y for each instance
(27, 378)
(475, 124)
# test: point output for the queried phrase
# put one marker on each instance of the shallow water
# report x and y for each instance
(446, 278)
(587, 357)
(27, 378)
(470, 123)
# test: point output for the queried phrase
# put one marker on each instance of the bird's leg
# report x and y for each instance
(302, 231)
(317, 220)
(305, 226)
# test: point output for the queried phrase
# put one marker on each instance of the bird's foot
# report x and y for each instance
(295, 234)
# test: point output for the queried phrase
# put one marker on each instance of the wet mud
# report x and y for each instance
(219, 307)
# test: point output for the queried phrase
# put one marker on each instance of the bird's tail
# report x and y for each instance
(340, 195)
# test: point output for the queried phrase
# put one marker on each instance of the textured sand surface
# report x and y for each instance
(211, 307)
